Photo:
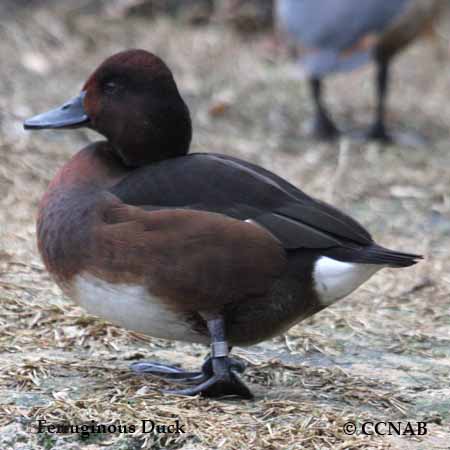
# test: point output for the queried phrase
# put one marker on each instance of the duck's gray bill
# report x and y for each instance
(69, 115)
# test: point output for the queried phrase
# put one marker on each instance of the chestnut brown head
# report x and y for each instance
(132, 100)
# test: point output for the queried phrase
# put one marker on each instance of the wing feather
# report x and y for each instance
(244, 191)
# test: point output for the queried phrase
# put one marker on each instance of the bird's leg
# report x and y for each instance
(218, 376)
(378, 129)
(220, 371)
(323, 127)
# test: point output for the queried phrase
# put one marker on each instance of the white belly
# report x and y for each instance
(335, 279)
(132, 307)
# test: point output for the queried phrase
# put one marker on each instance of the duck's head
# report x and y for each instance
(132, 100)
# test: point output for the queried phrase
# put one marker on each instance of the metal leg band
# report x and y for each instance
(219, 349)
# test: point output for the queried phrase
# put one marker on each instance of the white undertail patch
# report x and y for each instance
(336, 279)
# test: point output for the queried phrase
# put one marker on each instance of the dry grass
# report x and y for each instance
(382, 354)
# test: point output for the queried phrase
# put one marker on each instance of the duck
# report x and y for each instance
(194, 247)
(341, 35)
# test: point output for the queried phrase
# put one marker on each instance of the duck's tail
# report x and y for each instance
(375, 254)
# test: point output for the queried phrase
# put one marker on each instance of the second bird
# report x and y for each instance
(340, 35)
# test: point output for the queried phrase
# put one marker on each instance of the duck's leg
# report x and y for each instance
(223, 379)
(322, 127)
(378, 130)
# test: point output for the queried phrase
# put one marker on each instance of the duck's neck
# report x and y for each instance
(95, 167)
(68, 208)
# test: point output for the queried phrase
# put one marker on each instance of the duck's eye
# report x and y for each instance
(111, 87)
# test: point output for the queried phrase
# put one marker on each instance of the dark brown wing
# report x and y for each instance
(242, 191)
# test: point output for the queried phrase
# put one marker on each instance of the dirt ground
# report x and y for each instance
(383, 354)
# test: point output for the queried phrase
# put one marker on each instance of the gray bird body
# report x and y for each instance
(340, 35)
(330, 27)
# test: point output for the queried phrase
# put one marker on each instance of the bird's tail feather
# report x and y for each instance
(373, 254)
(376, 254)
